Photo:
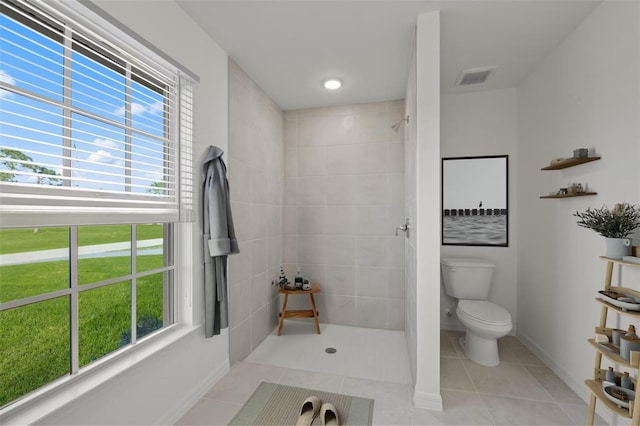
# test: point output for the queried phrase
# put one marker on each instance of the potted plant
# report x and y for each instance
(615, 225)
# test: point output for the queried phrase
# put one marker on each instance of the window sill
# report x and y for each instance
(57, 394)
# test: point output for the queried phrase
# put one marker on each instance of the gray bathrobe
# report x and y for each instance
(219, 240)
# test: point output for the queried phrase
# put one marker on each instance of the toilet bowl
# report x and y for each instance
(468, 281)
(485, 322)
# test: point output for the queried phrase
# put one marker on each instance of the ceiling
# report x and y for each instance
(290, 47)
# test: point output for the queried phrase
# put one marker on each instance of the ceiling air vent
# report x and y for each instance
(474, 76)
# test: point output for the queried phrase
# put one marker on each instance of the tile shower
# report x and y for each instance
(255, 168)
(343, 198)
(322, 189)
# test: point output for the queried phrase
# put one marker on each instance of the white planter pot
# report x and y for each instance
(617, 248)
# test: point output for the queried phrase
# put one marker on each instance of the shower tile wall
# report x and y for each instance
(343, 198)
(255, 163)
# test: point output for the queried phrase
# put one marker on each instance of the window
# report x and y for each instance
(95, 171)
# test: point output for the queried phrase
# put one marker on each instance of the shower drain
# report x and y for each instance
(331, 350)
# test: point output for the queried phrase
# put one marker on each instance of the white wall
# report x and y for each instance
(160, 388)
(410, 196)
(477, 124)
(585, 94)
(427, 387)
(255, 186)
(344, 197)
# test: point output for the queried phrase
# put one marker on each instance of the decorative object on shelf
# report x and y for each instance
(557, 161)
(610, 376)
(580, 153)
(628, 344)
(610, 347)
(615, 225)
(298, 279)
(624, 301)
(625, 381)
(632, 259)
(615, 336)
(306, 285)
(575, 188)
(619, 395)
(283, 282)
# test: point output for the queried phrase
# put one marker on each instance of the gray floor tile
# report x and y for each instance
(515, 411)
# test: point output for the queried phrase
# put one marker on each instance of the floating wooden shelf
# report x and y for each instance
(570, 162)
(580, 194)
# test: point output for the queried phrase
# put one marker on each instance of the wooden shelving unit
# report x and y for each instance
(570, 162)
(595, 385)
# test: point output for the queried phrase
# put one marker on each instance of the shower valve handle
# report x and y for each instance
(404, 228)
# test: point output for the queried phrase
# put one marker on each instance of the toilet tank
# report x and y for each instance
(467, 278)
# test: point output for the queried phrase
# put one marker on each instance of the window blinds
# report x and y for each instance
(91, 130)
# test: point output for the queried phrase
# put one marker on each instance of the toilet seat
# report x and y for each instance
(484, 312)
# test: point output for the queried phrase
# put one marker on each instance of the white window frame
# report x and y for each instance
(40, 205)
(52, 396)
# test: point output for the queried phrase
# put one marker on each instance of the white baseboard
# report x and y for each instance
(198, 391)
(427, 401)
(452, 325)
(578, 387)
(560, 372)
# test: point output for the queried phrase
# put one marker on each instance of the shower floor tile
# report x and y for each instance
(363, 353)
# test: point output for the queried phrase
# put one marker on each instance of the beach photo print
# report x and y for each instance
(475, 201)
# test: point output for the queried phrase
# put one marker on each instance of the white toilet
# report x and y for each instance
(469, 280)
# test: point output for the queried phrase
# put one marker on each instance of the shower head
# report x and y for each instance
(396, 126)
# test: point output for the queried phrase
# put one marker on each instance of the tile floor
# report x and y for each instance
(520, 391)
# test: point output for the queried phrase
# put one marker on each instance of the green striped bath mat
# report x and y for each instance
(280, 405)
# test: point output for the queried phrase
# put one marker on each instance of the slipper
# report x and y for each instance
(329, 415)
(309, 411)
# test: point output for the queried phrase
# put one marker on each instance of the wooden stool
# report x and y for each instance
(299, 313)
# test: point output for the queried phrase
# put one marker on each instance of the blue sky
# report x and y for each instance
(31, 61)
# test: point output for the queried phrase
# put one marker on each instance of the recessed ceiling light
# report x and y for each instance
(332, 84)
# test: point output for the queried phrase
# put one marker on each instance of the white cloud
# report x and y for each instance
(105, 156)
(6, 78)
(105, 143)
(101, 156)
(140, 109)
(157, 106)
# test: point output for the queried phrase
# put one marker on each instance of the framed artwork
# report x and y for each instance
(475, 201)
